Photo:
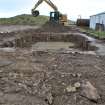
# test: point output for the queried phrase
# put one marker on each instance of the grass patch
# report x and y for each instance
(94, 33)
(24, 20)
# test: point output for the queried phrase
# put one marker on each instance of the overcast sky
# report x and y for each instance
(73, 8)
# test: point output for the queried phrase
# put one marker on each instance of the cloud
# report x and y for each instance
(72, 8)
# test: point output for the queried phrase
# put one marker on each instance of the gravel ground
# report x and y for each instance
(29, 77)
(41, 78)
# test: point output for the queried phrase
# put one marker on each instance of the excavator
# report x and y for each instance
(55, 16)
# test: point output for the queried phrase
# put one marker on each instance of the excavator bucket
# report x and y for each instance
(35, 13)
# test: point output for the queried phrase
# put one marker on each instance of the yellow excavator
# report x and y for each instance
(55, 16)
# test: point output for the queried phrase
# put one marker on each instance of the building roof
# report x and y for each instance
(98, 14)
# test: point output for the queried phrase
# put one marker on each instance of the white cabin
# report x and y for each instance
(98, 18)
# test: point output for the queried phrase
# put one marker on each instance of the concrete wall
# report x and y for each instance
(100, 18)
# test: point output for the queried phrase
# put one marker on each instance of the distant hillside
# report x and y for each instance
(24, 20)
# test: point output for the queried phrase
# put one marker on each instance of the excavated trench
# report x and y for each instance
(42, 78)
(49, 41)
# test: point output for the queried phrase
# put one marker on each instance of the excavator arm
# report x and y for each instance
(36, 12)
(51, 5)
(37, 4)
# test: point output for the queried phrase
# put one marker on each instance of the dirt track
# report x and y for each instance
(11, 28)
(30, 77)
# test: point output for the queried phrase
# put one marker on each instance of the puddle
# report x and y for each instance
(52, 45)
(99, 45)
(101, 48)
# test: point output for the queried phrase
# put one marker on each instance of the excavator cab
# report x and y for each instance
(54, 17)
(57, 17)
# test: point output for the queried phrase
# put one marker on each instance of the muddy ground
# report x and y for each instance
(41, 77)
(11, 28)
